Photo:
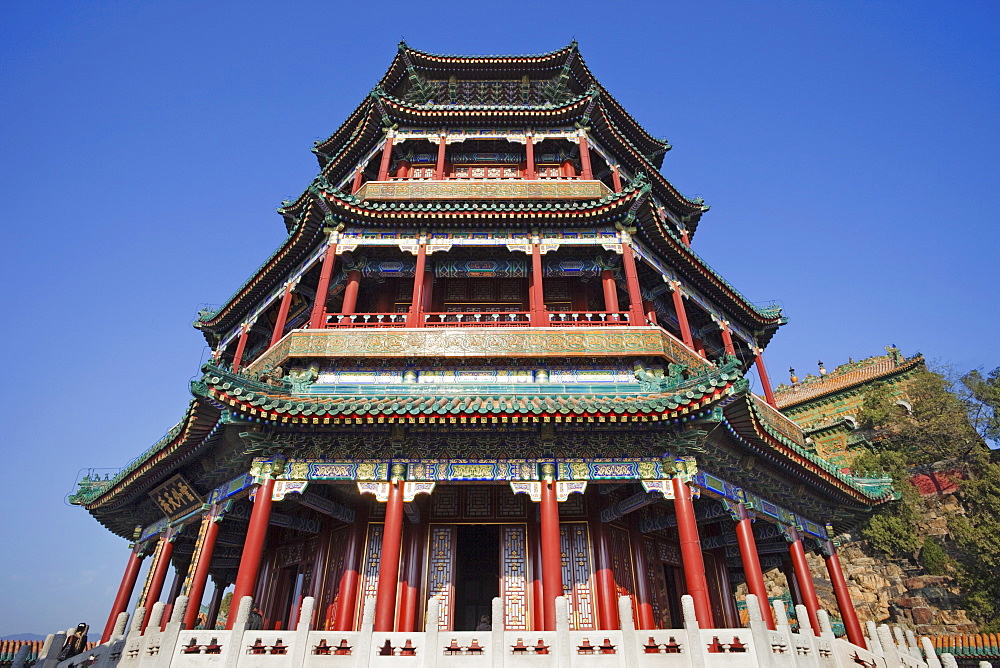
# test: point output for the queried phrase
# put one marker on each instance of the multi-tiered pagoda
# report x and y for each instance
(486, 362)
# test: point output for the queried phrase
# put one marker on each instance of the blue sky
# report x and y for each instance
(849, 151)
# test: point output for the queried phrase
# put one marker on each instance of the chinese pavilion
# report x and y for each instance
(826, 406)
(486, 363)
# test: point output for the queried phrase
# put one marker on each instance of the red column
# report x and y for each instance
(539, 317)
(586, 172)
(383, 168)
(439, 166)
(159, 576)
(388, 574)
(351, 292)
(804, 578)
(636, 316)
(279, 323)
(616, 178)
(403, 171)
(427, 292)
(240, 345)
(682, 318)
(415, 316)
(751, 565)
(124, 593)
(607, 591)
(764, 380)
(214, 603)
(350, 578)
(727, 339)
(317, 319)
(844, 602)
(643, 595)
(201, 572)
(567, 168)
(410, 587)
(253, 546)
(649, 310)
(552, 584)
(694, 564)
(610, 290)
(529, 149)
(356, 184)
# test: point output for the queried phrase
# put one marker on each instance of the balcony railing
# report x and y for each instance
(482, 189)
(478, 319)
(481, 319)
(588, 318)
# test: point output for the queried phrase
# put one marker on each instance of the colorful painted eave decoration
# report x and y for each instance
(200, 423)
(260, 402)
(494, 112)
(592, 211)
(785, 438)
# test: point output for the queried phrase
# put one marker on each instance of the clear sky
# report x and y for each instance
(849, 151)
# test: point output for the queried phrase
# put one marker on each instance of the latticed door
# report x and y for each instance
(441, 571)
(577, 572)
(514, 576)
(373, 552)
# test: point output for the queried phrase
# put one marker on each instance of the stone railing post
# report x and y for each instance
(302, 629)
(155, 618)
(121, 626)
(563, 647)
(696, 648)
(806, 630)
(233, 649)
(367, 630)
(21, 657)
(432, 650)
(168, 641)
(496, 633)
(930, 656)
(49, 656)
(874, 644)
(759, 632)
(948, 660)
(889, 650)
(631, 646)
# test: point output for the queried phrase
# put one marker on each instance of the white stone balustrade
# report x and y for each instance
(690, 647)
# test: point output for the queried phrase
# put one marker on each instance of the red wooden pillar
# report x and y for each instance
(125, 590)
(403, 171)
(682, 318)
(552, 584)
(586, 172)
(694, 564)
(410, 586)
(538, 315)
(351, 292)
(201, 568)
(607, 590)
(567, 169)
(427, 291)
(751, 564)
(439, 165)
(388, 576)
(804, 578)
(765, 382)
(616, 178)
(636, 316)
(610, 290)
(383, 168)
(279, 323)
(847, 612)
(350, 578)
(317, 319)
(253, 546)
(727, 338)
(643, 594)
(529, 149)
(358, 175)
(213, 605)
(415, 316)
(160, 568)
(241, 345)
(649, 310)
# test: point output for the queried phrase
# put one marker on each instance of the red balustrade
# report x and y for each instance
(588, 318)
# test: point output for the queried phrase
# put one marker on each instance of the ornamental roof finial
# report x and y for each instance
(792, 376)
